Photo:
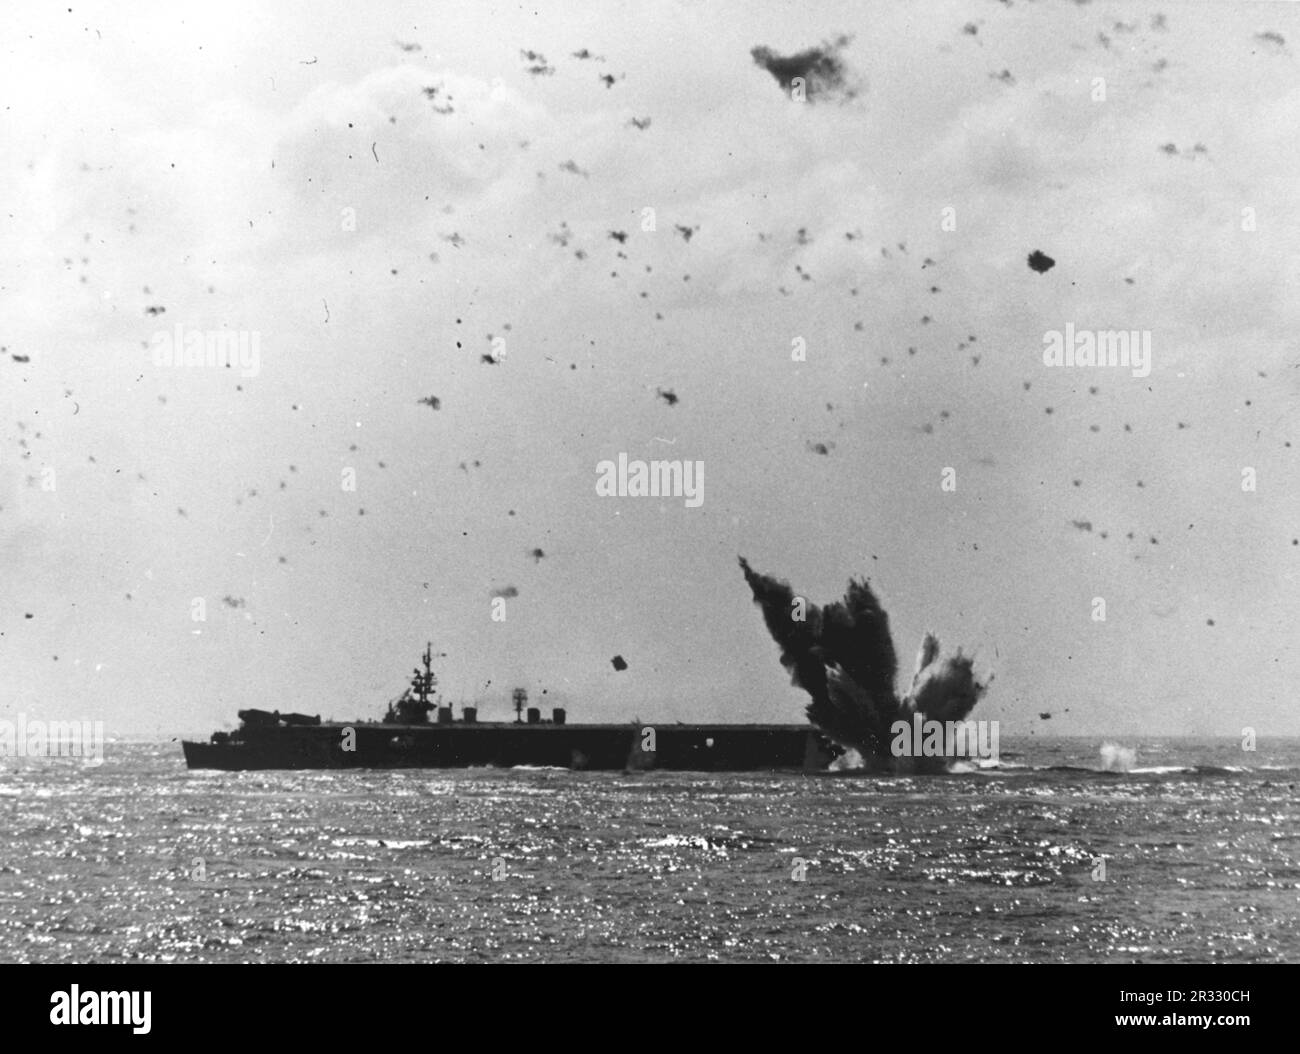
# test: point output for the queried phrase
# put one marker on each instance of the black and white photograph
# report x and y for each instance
(700, 481)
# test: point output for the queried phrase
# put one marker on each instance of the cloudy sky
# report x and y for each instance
(382, 195)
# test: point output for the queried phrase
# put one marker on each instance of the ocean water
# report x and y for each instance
(141, 860)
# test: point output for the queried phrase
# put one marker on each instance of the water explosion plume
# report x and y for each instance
(843, 656)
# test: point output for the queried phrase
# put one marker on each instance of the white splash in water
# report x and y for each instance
(1115, 758)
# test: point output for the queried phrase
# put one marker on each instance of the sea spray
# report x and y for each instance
(1115, 758)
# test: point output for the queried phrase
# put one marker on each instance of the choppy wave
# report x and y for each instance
(143, 861)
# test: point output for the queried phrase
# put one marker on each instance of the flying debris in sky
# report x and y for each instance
(431, 401)
(1040, 262)
(667, 395)
(843, 657)
(536, 63)
(432, 93)
(619, 663)
(821, 70)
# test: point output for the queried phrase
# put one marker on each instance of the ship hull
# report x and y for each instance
(706, 748)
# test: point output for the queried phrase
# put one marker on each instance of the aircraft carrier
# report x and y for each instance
(408, 738)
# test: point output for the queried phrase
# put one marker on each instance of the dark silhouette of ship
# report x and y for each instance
(407, 738)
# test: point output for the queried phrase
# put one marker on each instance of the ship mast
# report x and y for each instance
(424, 683)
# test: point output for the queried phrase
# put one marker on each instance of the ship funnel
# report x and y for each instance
(471, 715)
(558, 715)
(534, 716)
